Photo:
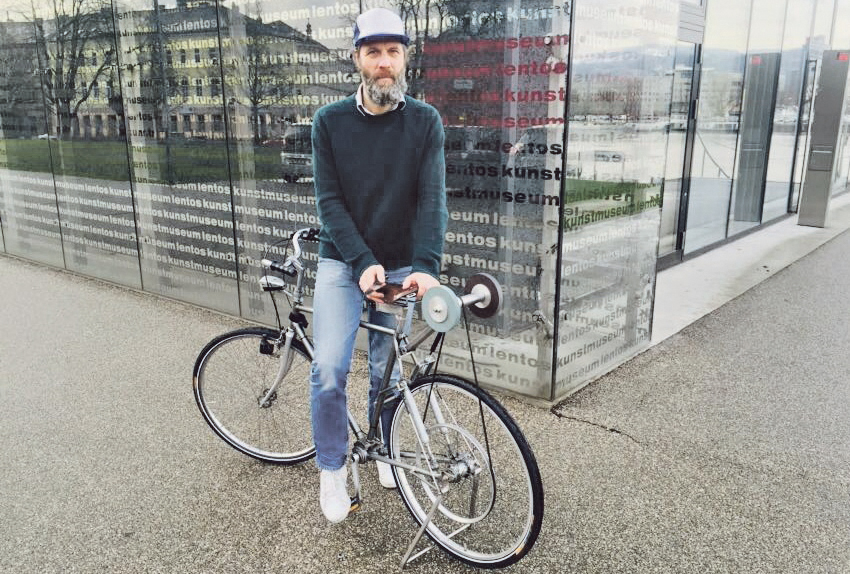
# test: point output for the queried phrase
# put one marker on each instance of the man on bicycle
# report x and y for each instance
(379, 172)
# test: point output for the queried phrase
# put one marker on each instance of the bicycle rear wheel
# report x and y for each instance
(491, 508)
(232, 379)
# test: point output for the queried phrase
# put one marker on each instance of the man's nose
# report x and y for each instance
(384, 61)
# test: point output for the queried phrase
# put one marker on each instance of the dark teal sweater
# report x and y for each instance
(380, 186)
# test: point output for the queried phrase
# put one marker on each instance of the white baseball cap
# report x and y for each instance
(379, 24)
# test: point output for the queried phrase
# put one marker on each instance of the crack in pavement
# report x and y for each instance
(597, 425)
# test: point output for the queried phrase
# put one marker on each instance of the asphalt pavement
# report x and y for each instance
(724, 448)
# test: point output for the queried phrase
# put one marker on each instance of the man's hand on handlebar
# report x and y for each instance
(370, 280)
(423, 282)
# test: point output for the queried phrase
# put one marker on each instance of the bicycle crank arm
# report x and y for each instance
(415, 469)
(355, 478)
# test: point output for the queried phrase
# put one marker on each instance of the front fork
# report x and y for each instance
(285, 361)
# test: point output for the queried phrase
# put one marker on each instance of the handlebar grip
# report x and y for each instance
(307, 234)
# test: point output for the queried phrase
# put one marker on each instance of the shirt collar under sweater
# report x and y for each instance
(362, 109)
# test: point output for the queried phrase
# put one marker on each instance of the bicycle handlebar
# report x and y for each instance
(293, 262)
(441, 307)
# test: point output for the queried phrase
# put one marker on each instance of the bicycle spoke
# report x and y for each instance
(484, 517)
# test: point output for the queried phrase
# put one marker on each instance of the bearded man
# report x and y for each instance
(379, 172)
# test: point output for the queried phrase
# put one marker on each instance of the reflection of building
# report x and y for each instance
(270, 73)
(171, 60)
(20, 93)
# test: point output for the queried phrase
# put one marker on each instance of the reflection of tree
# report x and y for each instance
(267, 83)
(633, 98)
(74, 30)
(417, 17)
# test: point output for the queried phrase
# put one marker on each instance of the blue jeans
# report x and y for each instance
(337, 310)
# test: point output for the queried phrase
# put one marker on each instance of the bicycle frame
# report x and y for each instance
(450, 470)
(368, 445)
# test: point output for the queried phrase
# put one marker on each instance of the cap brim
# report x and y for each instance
(383, 38)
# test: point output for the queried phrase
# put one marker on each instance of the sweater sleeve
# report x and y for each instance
(331, 206)
(429, 227)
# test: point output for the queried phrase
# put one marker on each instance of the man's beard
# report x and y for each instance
(385, 95)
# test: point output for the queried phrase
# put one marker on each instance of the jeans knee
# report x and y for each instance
(327, 378)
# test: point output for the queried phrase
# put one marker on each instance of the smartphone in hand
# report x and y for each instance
(394, 291)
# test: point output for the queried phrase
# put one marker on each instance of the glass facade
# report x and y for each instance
(759, 71)
(166, 146)
(718, 121)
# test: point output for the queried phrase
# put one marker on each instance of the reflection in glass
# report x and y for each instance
(802, 134)
(283, 60)
(822, 28)
(89, 155)
(718, 121)
(785, 120)
(683, 75)
(761, 82)
(28, 209)
(180, 176)
(618, 134)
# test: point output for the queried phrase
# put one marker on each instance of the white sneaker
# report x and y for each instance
(385, 475)
(333, 494)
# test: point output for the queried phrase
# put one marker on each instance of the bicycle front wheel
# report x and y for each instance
(478, 478)
(234, 383)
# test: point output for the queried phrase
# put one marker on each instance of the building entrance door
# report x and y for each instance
(680, 141)
(801, 141)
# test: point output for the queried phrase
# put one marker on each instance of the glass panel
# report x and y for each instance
(89, 155)
(759, 99)
(841, 25)
(27, 195)
(842, 164)
(682, 81)
(841, 41)
(619, 118)
(180, 177)
(821, 28)
(498, 77)
(718, 121)
(797, 28)
(801, 158)
(182, 137)
(283, 60)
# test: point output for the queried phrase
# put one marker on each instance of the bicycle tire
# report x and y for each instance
(504, 518)
(232, 376)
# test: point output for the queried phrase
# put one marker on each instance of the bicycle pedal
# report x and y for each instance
(355, 505)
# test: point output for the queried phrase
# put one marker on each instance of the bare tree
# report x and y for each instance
(419, 17)
(267, 84)
(265, 81)
(74, 49)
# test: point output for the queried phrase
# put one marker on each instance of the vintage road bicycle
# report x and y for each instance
(463, 468)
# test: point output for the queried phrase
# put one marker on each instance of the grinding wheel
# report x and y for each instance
(441, 308)
(486, 286)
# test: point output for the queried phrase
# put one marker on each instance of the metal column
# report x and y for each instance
(827, 116)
